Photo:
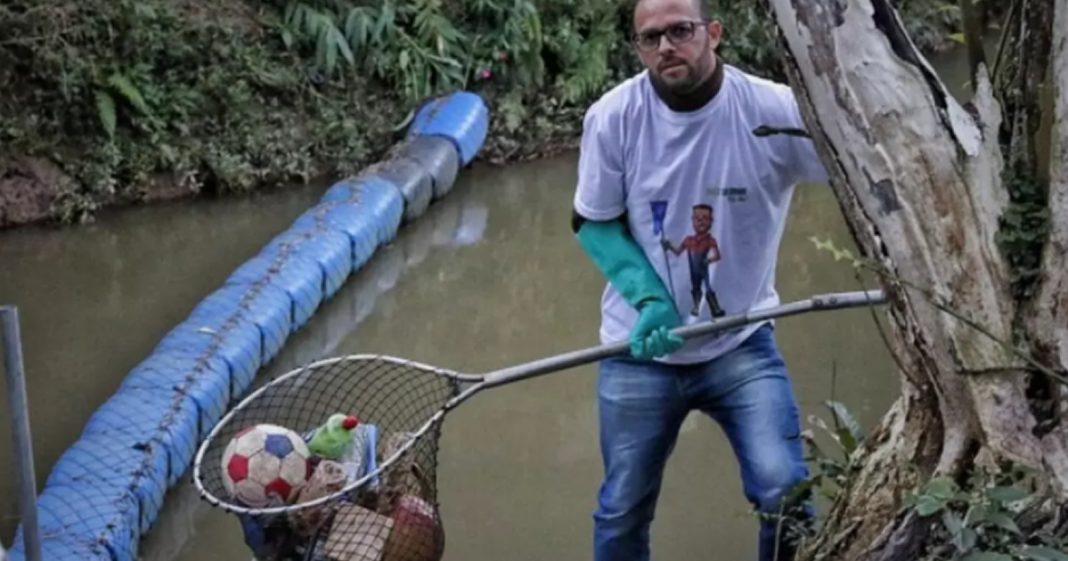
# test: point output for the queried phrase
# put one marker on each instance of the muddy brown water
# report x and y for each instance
(490, 277)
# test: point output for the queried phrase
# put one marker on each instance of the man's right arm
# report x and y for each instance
(600, 192)
(599, 222)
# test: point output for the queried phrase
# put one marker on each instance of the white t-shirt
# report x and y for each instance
(669, 172)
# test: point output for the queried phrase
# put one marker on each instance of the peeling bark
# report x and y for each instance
(1049, 324)
(919, 178)
(890, 122)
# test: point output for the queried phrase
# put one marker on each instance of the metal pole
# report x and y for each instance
(20, 428)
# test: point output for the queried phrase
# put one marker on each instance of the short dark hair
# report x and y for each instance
(704, 11)
(703, 207)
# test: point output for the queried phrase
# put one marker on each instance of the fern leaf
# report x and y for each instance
(843, 416)
(105, 109)
(341, 44)
(292, 15)
(313, 21)
(358, 27)
(386, 21)
(323, 50)
(124, 86)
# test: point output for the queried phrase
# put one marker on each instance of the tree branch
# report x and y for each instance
(973, 38)
(1006, 32)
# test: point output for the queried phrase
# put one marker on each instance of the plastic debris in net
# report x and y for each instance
(349, 512)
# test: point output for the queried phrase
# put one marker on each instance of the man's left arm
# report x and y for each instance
(795, 156)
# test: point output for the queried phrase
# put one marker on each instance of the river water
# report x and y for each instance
(490, 277)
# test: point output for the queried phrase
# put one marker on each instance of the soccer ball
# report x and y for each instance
(266, 466)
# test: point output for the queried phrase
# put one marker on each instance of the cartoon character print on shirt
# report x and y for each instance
(702, 251)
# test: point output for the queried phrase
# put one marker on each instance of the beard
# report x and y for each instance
(679, 77)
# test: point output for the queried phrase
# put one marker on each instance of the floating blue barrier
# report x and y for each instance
(267, 307)
(203, 379)
(461, 117)
(107, 488)
(363, 241)
(340, 192)
(331, 249)
(214, 332)
(140, 417)
(369, 199)
(99, 461)
(412, 180)
(300, 278)
(61, 548)
(436, 155)
(87, 514)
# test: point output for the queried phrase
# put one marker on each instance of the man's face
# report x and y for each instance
(702, 220)
(685, 55)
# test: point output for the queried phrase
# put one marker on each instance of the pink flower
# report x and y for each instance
(486, 73)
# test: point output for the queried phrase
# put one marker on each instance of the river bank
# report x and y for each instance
(136, 102)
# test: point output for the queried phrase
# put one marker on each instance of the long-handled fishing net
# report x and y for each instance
(377, 500)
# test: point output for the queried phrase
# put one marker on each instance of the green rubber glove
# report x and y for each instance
(622, 261)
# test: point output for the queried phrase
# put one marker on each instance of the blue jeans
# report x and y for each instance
(642, 406)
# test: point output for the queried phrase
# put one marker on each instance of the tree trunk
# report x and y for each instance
(919, 178)
(1049, 324)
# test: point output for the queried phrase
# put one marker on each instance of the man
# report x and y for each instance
(676, 136)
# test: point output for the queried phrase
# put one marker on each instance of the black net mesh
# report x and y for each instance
(391, 516)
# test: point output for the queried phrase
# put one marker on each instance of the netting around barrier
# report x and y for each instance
(331, 249)
(343, 507)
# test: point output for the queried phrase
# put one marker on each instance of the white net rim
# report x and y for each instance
(313, 367)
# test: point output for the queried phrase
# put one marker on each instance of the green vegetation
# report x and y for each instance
(980, 519)
(1024, 229)
(135, 100)
(976, 518)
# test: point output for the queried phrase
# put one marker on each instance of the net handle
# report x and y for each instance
(821, 302)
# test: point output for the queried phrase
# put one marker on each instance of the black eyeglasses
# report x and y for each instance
(676, 33)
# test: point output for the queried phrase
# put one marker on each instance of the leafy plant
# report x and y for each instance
(1024, 229)
(830, 471)
(980, 521)
(230, 96)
